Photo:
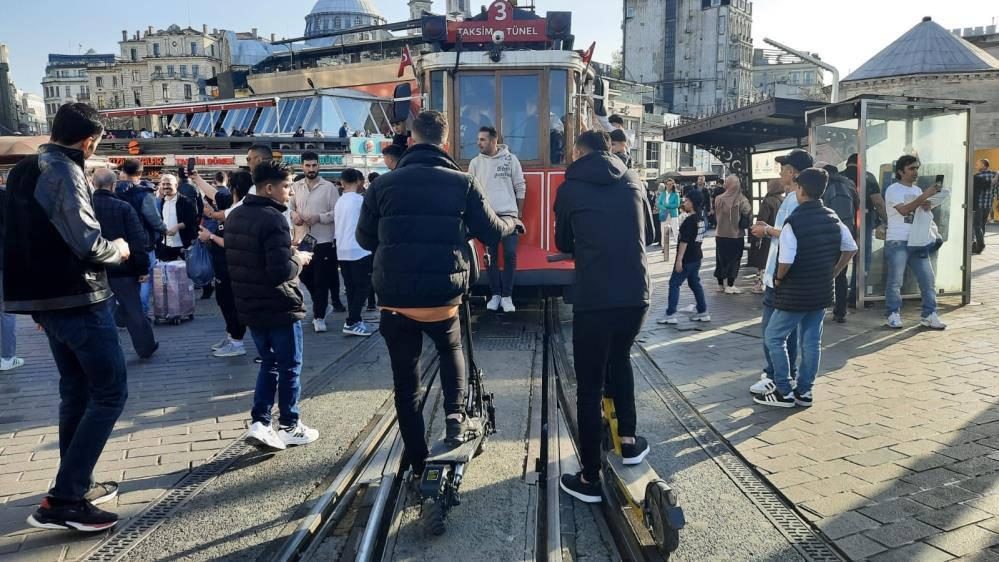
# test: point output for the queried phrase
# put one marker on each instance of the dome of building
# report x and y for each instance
(331, 16)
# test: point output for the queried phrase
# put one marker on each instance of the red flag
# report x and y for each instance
(407, 60)
(588, 55)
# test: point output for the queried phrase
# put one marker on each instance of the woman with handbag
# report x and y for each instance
(668, 205)
(759, 248)
(734, 216)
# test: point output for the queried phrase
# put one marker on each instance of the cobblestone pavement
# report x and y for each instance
(183, 407)
(899, 457)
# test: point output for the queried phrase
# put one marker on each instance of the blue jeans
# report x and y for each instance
(92, 390)
(898, 256)
(502, 284)
(782, 324)
(792, 338)
(280, 352)
(692, 275)
(147, 288)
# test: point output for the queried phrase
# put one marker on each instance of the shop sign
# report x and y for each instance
(325, 160)
(147, 161)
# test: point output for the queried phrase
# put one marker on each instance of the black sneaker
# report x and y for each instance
(258, 360)
(458, 431)
(804, 400)
(101, 492)
(775, 399)
(338, 307)
(573, 485)
(79, 516)
(634, 453)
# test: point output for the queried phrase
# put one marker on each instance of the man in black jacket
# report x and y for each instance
(604, 219)
(263, 271)
(841, 196)
(815, 246)
(119, 220)
(416, 220)
(55, 262)
(180, 216)
(142, 196)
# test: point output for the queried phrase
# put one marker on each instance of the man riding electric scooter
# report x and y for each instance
(416, 220)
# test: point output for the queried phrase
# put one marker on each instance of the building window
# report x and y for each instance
(166, 91)
(187, 91)
(183, 71)
(213, 49)
(357, 21)
(69, 92)
(795, 76)
(100, 102)
(170, 70)
(195, 70)
(652, 155)
(100, 82)
(156, 49)
(157, 71)
(135, 76)
(133, 54)
(137, 97)
(336, 22)
(114, 81)
(194, 48)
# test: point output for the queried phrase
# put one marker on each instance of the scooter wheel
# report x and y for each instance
(663, 516)
(433, 518)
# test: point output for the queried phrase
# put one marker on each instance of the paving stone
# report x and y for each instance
(859, 547)
(918, 552)
(787, 462)
(964, 541)
(831, 468)
(943, 496)
(925, 462)
(966, 451)
(901, 532)
(980, 556)
(918, 447)
(988, 504)
(841, 483)
(985, 485)
(893, 510)
(843, 524)
(880, 473)
(159, 450)
(976, 466)
(836, 503)
(789, 478)
(933, 478)
(883, 491)
(990, 524)
(950, 518)
(876, 457)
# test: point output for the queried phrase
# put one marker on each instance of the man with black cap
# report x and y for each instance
(815, 246)
(791, 165)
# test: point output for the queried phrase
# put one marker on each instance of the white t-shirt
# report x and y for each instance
(899, 226)
(789, 243)
(345, 216)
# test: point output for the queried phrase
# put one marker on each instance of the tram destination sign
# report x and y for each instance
(517, 26)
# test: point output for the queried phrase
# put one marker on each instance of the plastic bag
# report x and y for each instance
(199, 264)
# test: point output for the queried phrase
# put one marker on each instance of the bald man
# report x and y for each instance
(118, 219)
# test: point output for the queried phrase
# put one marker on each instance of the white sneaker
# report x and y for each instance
(700, 317)
(507, 304)
(933, 322)
(222, 343)
(319, 325)
(895, 320)
(359, 329)
(689, 308)
(763, 386)
(494, 303)
(12, 363)
(233, 349)
(264, 437)
(721, 289)
(668, 319)
(298, 435)
(733, 290)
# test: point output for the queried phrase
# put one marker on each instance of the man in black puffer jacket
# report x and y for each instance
(263, 270)
(416, 219)
(603, 217)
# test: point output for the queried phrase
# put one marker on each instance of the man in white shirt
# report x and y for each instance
(179, 216)
(902, 198)
(355, 262)
(312, 202)
(815, 246)
(499, 172)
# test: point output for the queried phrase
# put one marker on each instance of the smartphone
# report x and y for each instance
(190, 165)
(308, 244)
(939, 180)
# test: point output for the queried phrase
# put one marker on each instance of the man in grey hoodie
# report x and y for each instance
(500, 174)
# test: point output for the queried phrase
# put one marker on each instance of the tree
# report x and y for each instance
(617, 64)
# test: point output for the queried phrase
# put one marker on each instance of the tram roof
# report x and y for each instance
(773, 122)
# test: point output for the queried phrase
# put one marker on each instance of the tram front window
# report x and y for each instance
(477, 96)
(521, 121)
(558, 116)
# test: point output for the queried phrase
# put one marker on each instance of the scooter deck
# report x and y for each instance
(634, 477)
(441, 452)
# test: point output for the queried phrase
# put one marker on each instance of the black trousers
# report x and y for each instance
(357, 282)
(601, 344)
(227, 305)
(126, 292)
(978, 230)
(728, 259)
(404, 338)
(842, 288)
(322, 278)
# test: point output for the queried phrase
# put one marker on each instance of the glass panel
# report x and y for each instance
(521, 119)
(285, 108)
(355, 113)
(477, 108)
(437, 90)
(265, 124)
(247, 119)
(233, 119)
(558, 116)
(938, 137)
(331, 119)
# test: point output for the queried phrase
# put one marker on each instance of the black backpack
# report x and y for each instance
(841, 196)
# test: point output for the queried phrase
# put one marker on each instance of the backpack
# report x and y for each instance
(841, 197)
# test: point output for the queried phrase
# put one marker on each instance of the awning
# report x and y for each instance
(200, 107)
(762, 123)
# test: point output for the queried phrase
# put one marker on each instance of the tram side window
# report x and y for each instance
(437, 90)
(477, 96)
(521, 119)
(558, 117)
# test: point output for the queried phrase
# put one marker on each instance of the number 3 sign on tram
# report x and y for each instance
(502, 16)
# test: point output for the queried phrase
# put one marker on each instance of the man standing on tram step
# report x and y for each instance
(66, 292)
(603, 217)
(414, 219)
(815, 247)
(119, 220)
(498, 171)
(141, 195)
(312, 202)
(263, 271)
(791, 165)
(619, 146)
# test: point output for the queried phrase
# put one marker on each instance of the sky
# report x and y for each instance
(846, 37)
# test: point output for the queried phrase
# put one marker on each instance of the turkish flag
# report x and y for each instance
(407, 60)
(588, 55)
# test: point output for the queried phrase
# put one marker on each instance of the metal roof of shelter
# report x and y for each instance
(772, 121)
(927, 48)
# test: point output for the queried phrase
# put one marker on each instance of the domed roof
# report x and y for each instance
(345, 7)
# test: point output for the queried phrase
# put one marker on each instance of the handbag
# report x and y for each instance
(199, 264)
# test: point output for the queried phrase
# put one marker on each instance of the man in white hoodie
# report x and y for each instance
(499, 173)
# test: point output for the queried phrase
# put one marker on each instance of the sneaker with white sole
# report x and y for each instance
(101, 492)
(10, 363)
(359, 329)
(264, 437)
(507, 304)
(775, 399)
(722, 289)
(297, 435)
(668, 319)
(894, 321)
(222, 343)
(78, 516)
(803, 400)
(933, 322)
(689, 308)
(319, 325)
(494, 303)
(233, 349)
(763, 386)
(733, 290)
(634, 453)
(589, 492)
(700, 317)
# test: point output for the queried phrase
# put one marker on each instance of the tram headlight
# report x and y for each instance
(498, 37)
